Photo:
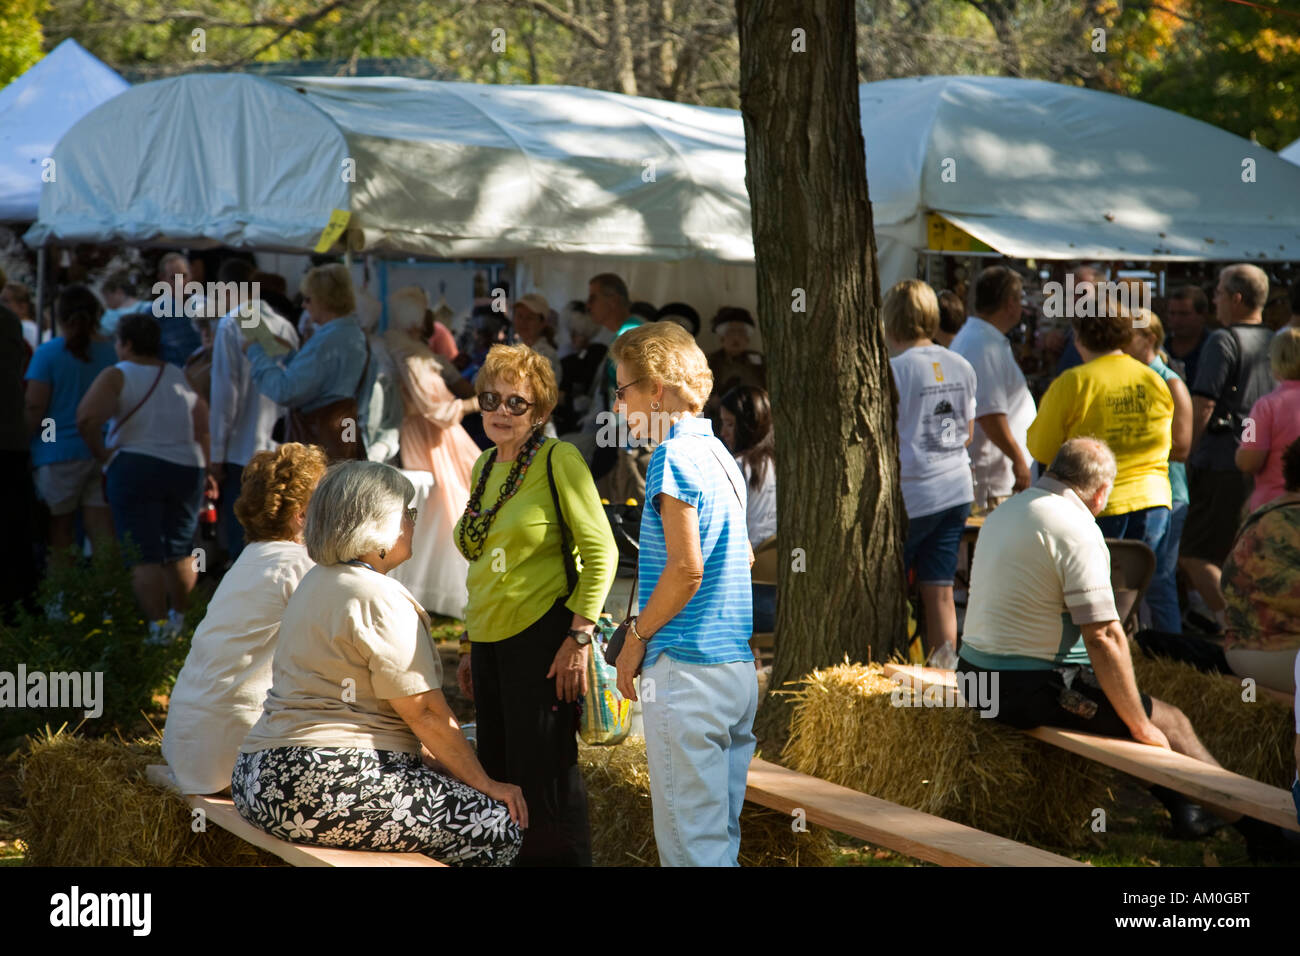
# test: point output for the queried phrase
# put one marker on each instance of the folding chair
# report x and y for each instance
(1132, 565)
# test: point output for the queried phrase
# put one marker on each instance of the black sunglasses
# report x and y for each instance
(516, 405)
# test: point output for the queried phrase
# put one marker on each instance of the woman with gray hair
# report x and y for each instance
(356, 747)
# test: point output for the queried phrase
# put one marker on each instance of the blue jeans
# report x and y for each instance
(699, 739)
(1162, 595)
(232, 482)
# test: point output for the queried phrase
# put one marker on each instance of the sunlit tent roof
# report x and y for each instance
(440, 169)
(36, 109)
(1291, 153)
(1058, 172)
(558, 176)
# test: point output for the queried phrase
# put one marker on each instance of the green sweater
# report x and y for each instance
(520, 573)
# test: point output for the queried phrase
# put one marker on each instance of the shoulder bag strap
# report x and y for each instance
(570, 569)
(117, 426)
(730, 481)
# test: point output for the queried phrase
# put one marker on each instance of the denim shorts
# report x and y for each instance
(156, 504)
(932, 542)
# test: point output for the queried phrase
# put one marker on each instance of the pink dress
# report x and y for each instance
(433, 440)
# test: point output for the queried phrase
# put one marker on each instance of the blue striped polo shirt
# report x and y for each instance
(716, 624)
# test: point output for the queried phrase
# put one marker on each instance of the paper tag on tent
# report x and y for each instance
(333, 229)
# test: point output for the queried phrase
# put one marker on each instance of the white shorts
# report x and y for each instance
(66, 486)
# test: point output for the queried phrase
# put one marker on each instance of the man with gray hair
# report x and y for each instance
(1233, 371)
(1042, 617)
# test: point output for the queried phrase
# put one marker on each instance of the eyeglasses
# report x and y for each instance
(618, 392)
(412, 513)
(516, 405)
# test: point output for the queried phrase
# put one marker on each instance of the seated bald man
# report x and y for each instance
(1051, 632)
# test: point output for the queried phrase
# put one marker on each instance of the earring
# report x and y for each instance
(654, 406)
(383, 553)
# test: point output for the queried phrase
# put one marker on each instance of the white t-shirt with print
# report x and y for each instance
(936, 403)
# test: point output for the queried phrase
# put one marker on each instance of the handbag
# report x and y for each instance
(606, 715)
(324, 426)
(615, 645)
(1223, 420)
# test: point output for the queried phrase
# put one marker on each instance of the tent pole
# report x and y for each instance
(40, 294)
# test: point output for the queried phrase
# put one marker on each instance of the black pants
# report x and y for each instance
(527, 736)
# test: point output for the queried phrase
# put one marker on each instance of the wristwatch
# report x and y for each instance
(582, 638)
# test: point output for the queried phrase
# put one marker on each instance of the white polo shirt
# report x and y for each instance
(1041, 570)
(999, 389)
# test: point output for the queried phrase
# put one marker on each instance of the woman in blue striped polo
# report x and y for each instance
(690, 642)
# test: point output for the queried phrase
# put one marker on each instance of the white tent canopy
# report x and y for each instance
(1040, 170)
(36, 109)
(425, 168)
(1291, 153)
(550, 175)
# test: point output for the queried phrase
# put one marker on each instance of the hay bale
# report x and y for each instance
(88, 804)
(622, 822)
(1253, 739)
(947, 761)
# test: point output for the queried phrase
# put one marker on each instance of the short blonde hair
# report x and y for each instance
(665, 353)
(1149, 324)
(515, 364)
(277, 485)
(911, 311)
(331, 286)
(1284, 354)
(358, 507)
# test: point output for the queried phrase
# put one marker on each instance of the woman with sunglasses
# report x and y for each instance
(532, 606)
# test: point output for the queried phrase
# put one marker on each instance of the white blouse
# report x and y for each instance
(219, 693)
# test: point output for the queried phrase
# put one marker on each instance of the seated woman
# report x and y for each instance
(336, 758)
(219, 693)
(1261, 585)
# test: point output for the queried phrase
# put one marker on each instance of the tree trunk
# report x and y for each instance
(841, 519)
(622, 73)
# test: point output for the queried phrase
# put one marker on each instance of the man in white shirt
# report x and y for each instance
(240, 417)
(1004, 409)
(1042, 619)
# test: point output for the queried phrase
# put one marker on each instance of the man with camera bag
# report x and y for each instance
(1232, 372)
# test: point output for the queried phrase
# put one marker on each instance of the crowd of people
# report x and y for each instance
(312, 692)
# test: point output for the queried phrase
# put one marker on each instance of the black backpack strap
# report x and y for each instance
(566, 542)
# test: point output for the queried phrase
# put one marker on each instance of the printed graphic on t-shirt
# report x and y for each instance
(1129, 418)
(943, 427)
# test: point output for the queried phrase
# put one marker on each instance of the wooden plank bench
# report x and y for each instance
(912, 832)
(222, 812)
(1203, 782)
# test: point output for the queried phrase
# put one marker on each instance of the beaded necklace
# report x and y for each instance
(471, 535)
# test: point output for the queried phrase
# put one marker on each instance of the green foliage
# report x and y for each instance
(20, 37)
(94, 625)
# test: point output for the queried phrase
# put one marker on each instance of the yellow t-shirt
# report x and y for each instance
(1127, 405)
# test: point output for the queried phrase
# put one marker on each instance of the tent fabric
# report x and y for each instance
(205, 159)
(36, 109)
(1040, 170)
(436, 169)
(1291, 153)
(1034, 169)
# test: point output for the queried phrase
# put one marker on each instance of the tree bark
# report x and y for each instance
(834, 403)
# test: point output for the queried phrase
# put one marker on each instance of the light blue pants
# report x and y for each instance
(699, 739)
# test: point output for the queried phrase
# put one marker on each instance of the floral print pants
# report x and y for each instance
(372, 800)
